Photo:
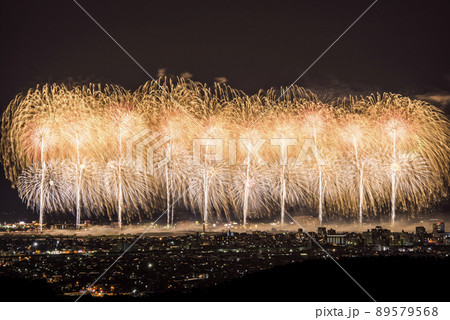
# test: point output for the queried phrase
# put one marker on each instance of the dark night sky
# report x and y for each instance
(399, 45)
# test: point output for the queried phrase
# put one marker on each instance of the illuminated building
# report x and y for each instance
(439, 227)
(337, 239)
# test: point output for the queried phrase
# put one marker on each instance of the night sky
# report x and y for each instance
(398, 46)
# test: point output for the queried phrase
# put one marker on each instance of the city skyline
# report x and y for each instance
(258, 251)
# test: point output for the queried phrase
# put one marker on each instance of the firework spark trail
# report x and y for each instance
(287, 185)
(45, 188)
(41, 193)
(172, 171)
(250, 174)
(248, 189)
(382, 154)
(353, 134)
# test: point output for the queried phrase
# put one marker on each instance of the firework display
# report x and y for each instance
(64, 149)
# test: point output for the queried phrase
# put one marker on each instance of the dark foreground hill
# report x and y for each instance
(385, 278)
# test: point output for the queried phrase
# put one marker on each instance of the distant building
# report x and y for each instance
(321, 231)
(447, 238)
(354, 239)
(367, 238)
(406, 239)
(421, 234)
(337, 239)
(381, 236)
(439, 227)
(395, 239)
(439, 234)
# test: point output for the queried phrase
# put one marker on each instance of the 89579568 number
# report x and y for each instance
(406, 311)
